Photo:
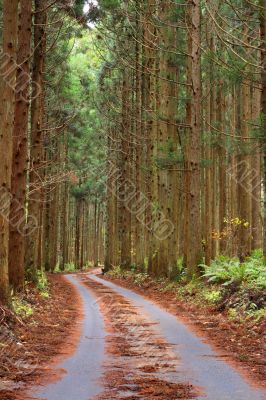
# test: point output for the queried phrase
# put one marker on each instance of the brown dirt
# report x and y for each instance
(48, 335)
(140, 361)
(242, 346)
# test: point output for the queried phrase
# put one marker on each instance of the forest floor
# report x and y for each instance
(141, 346)
(29, 343)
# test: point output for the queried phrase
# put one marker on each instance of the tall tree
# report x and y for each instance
(20, 150)
(7, 88)
(36, 143)
(263, 101)
(193, 245)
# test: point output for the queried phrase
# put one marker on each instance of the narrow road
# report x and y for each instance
(84, 368)
(130, 348)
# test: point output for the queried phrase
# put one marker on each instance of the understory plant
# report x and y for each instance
(226, 271)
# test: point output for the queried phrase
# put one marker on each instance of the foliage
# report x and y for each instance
(70, 267)
(227, 271)
(42, 284)
(21, 307)
(212, 296)
(244, 303)
(257, 315)
(233, 314)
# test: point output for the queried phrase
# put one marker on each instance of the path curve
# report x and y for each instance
(199, 364)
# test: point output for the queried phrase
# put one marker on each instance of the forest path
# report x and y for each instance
(81, 370)
(199, 363)
(148, 353)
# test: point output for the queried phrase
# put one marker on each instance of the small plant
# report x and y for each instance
(168, 287)
(192, 286)
(21, 307)
(42, 284)
(229, 234)
(257, 315)
(116, 272)
(133, 268)
(232, 314)
(70, 267)
(212, 296)
(227, 270)
(140, 278)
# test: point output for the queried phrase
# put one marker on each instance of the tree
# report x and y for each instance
(20, 150)
(193, 245)
(7, 107)
(36, 142)
(263, 101)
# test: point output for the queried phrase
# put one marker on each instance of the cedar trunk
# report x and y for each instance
(7, 107)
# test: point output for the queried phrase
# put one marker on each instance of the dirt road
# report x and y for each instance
(130, 348)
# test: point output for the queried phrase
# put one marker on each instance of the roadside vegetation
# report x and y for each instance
(237, 288)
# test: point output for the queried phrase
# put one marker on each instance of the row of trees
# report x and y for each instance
(51, 211)
(185, 122)
(132, 135)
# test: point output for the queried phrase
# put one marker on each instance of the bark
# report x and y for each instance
(96, 233)
(7, 107)
(53, 238)
(231, 246)
(256, 177)
(167, 141)
(82, 225)
(111, 239)
(150, 103)
(221, 110)
(140, 142)
(193, 247)
(263, 106)
(20, 136)
(36, 154)
(244, 182)
(77, 232)
(125, 176)
(65, 226)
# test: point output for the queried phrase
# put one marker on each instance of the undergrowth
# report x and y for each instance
(21, 303)
(226, 285)
(227, 271)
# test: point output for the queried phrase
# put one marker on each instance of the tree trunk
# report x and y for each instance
(263, 105)
(77, 233)
(125, 176)
(256, 177)
(167, 151)
(8, 68)
(244, 182)
(20, 136)
(193, 248)
(36, 154)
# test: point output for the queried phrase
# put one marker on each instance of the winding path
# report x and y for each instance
(197, 363)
